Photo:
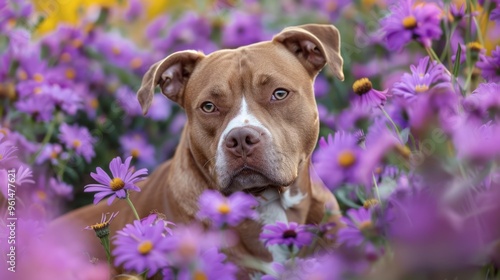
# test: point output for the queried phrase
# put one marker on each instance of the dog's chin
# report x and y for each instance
(253, 182)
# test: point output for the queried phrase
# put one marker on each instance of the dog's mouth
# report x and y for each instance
(250, 180)
(257, 191)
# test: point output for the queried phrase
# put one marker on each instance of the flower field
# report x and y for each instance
(409, 142)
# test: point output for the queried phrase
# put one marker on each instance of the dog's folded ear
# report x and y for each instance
(315, 45)
(172, 74)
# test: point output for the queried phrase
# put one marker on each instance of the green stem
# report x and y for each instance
(105, 244)
(45, 140)
(132, 206)
(392, 123)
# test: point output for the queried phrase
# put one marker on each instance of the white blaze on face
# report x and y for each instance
(243, 118)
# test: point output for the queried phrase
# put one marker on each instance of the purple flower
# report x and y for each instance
(160, 108)
(61, 189)
(408, 21)
(52, 152)
(141, 247)
(136, 146)
(78, 139)
(337, 159)
(490, 66)
(367, 96)
(321, 268)
(477, 141)
(424, 77)
(123, 179)
(127, 100)
(495, 14)
(210, 265)
(6, 150)
(484, 100)
(134, 10)
(191, 31)
(222, 211)
(321, 86)
(41, 107)
(242, 29)
(359, 226)
(291, 234)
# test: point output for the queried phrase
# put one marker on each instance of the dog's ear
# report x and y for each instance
(315, 45)
(172, 74)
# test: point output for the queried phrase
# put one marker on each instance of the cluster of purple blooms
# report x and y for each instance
(409, 141)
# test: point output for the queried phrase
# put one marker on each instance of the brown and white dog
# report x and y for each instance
(252, 125)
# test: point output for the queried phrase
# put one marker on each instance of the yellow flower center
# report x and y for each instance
(362, 86)
(1, 156)
(116, 184)
(3, 131)
(37, 90)
(41, 195)
(224, 208)
(136, 63)
(365, 226)
(53, 155)
(145, 247)
(70, 73)
(76, 43)
(331, 6)
(135, 153)
(22, 75)
(94, 103)
(77, 144)
(99, 226)
(403, 150)
(116, 50)
(410, 22)
(65, 57)
(369, 203)
(346, 158)
(186, 250)
(38, 77)
(475, 46)
(11, 22)
(199, 275)
(421, 88)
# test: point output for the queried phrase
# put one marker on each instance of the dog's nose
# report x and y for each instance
(242, 141)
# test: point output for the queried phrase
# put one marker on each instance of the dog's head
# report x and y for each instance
(252, 115)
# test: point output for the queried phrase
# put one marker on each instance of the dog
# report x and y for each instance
(252, 125)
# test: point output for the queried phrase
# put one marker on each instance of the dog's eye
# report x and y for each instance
(279, 94)
(208, 107)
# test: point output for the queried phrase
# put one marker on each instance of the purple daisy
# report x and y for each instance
(286, 234)
(367, 96)
(6, 150)
(61, 189)
(490, 66)
(123, 179)
(359, 226)
(222, 211)
(128, 102)
(408, 22)
(337, 159)
(41, 107)
(136, 145)
(495, 14)
(424, 77)
(211, 264)
(142, 247)
(78, 139)
(242, 29)
(483, 100)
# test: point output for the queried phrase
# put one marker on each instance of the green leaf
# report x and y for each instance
(456, 67)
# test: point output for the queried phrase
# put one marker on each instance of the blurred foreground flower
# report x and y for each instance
(291, 234)
(228, 211)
